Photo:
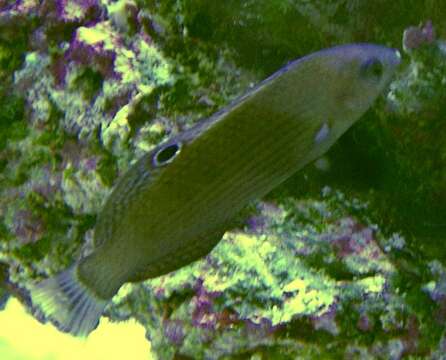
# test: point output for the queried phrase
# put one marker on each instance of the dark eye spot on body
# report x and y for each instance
(166, 154)
(372, 69)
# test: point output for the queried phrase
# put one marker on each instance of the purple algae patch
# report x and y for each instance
(174, 331)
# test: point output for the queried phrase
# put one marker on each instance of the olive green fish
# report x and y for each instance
(175, 203)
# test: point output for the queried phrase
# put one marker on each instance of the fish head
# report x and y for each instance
(362, 72)
(349, 79)
(359, 74)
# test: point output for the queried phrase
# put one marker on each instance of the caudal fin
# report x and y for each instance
(70, 305)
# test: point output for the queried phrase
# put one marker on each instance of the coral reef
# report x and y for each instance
(344, 260)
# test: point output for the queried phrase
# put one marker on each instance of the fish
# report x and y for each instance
(175, 203)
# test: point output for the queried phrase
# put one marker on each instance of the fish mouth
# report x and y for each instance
(395, 59)
(392, 60)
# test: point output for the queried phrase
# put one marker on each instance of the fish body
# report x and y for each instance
(174, 204)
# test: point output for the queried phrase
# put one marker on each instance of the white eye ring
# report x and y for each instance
(166, 154)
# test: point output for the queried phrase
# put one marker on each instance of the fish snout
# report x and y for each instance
(394, 58)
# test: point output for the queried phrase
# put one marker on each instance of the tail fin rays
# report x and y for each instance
(71, 305)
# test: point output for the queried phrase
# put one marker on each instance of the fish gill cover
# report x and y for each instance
(346, 259)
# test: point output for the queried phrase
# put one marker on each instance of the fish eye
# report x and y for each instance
(166, 154)
(372, 68)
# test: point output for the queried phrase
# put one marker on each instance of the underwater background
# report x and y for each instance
(344, 260)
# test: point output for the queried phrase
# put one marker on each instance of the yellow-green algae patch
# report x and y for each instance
(372, 284)
(100, 33)
(73, 10)
(78, 185)
(253, 261)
